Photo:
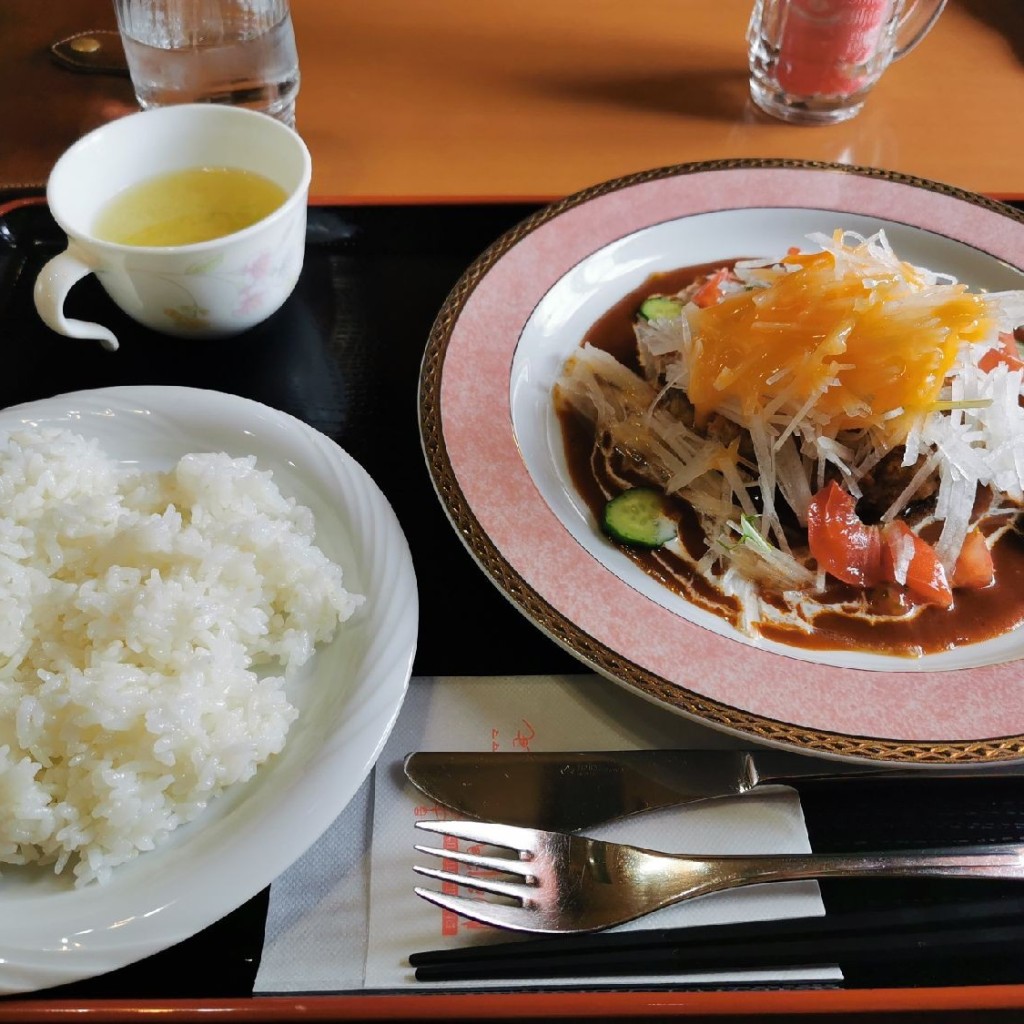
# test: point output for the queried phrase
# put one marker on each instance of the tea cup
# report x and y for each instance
(204, 289)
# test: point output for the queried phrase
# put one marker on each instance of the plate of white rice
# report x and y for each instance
(208, 616)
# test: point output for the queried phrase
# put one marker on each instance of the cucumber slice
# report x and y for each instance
(639, 516)
(659, 308)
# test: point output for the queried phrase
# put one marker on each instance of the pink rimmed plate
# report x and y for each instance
(493, 447)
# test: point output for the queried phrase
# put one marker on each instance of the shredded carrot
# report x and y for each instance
(710, 291)
(857, 349)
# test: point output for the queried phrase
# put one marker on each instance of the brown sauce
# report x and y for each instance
(885, 622)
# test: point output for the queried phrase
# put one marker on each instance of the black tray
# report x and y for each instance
(343, 354)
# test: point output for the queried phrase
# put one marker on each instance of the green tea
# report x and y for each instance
(188, 206)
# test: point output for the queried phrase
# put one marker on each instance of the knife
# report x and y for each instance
(565, 792)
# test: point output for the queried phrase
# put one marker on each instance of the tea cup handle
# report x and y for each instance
(920, 13)
(51, 289)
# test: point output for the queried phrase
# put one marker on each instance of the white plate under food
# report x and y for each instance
(348, 696)
(494, 447)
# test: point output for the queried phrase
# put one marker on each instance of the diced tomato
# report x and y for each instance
(1008, 354)
(926, 577)
(840, 543)
(853, 552)
(865, 555)
(974, 569)
(710, 291)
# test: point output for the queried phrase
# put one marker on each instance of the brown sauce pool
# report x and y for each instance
(885, 622)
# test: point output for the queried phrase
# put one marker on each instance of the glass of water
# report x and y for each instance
(815, 61)
(238, 52)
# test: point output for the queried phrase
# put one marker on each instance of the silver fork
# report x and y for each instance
(568, 883)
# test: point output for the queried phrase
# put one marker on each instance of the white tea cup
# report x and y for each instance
(205, 289)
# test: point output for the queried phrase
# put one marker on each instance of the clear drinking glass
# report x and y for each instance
(238, 52)
(815, 61)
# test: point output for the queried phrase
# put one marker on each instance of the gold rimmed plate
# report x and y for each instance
(494, 450)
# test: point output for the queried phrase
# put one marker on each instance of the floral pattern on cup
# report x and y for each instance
(257, 283)
(226, 291)
(188, 317)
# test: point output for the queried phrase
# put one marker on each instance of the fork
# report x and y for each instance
(569, 883)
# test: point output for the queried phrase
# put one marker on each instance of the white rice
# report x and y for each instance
(135, 610)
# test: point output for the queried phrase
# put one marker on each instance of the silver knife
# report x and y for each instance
(565, 792)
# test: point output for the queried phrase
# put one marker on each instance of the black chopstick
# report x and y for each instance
(971, 921)
(949, 944)
(890, 918)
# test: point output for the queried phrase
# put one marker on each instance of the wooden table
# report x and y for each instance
(449, 100)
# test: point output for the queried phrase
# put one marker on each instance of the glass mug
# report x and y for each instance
(815, 61)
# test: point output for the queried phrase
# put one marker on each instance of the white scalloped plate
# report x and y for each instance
(494, 448)
(348, 696)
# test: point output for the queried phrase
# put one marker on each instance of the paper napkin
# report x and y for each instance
(345, 916)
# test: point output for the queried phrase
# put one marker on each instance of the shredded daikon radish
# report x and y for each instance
(815, 366)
